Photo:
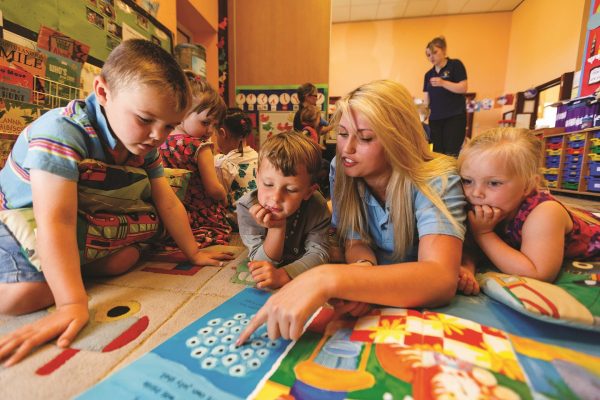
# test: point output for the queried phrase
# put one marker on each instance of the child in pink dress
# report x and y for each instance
(189, 147)
(522, 229)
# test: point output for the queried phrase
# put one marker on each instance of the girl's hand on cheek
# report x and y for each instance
(483, 219)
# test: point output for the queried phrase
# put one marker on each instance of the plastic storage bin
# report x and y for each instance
(593, 184)
(595, 168)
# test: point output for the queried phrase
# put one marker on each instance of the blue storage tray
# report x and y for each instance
(593, 184)
(570, 179)
(574, 158)
(555, 139)
(577, 144)
(572, 166)
(595, 168)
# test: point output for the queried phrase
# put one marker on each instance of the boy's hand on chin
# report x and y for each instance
(265, 218)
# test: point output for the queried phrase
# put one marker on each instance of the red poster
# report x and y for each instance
(590, 67)
(16, 77)
(63, 45)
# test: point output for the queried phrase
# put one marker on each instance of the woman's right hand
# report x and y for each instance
(65, 322)
(286, 311)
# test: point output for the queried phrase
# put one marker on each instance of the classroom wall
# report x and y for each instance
(279, 42)
(201, 18)
(544, 42)
(395, 49)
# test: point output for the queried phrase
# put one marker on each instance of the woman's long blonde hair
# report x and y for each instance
(391, 113)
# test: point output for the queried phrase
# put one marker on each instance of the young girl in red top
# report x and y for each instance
(522, 230)
(189, 147)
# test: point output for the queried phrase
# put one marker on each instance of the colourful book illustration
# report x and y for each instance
(201, 361)
(391, 353)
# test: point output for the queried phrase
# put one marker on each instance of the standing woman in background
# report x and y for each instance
(307, 96)
(445, 86)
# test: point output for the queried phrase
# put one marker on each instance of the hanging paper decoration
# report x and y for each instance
(504, 100)
(530, 93)
(487, 104)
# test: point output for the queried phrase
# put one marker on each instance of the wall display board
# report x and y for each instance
(590, 65)
(273, 123)
(275, 98)
(101, 24)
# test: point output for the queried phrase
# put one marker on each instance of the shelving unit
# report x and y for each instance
(572, 160)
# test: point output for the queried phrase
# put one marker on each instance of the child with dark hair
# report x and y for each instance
(236, 167)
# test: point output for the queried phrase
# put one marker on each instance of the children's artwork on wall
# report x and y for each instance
(202, 360)
(15, 115)
(273, 123)
(61, 44)
(99, 24)
(15, 84)
(23, 58)
(88, 73)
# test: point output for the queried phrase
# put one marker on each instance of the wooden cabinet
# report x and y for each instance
(572, 160)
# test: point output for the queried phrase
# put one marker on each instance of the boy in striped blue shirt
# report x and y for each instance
(139, 97)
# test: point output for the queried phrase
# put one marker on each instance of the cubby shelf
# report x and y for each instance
(568, 156)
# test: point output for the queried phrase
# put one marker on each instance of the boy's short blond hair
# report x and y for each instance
(309, 115)
(141, 62)
(289, 150)
(205, 97)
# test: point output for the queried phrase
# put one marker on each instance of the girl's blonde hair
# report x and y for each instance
(393, 117)
(519, 151)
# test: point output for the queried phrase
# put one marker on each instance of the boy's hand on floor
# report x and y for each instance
(267, 276)
(65, 321)
(467, 284)
(211, 258)
(264, 217)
